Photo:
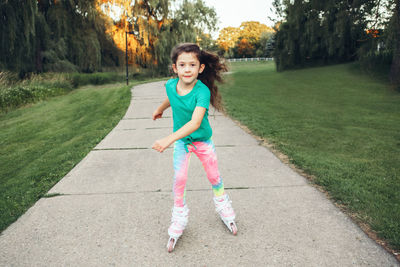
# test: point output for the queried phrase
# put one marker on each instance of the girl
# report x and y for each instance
(190, 95)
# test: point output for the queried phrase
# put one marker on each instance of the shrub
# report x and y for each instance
(15, 93)
(80, 79)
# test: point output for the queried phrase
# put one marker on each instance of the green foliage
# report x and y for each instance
(375, 61)
(250, 39)
(323, 32)
(315, 32)
(377, 53)
(79, 79)
(17, 35)
(61, 36)
(55, 57)
(15, 93)
(70, 36)
(19, 95)
(188, 22)
(8, 78)
(394, 29)
(266, 45)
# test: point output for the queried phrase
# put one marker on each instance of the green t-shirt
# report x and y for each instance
(183, 107)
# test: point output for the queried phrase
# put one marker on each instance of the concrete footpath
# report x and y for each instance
(115, 207)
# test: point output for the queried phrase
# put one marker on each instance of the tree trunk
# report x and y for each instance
(38, 57)
(395, 68)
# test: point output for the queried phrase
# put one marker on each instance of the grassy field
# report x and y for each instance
(42, 142)
(337, 124)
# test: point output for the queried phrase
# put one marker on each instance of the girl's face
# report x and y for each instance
(188, 68)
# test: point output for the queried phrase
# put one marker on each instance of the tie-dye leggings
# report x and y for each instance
(205, 151)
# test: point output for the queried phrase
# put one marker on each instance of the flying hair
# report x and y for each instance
(211, 73)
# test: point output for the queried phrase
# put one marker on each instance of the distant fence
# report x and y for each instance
(250, 59)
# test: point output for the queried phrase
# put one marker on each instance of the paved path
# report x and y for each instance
(116, 205)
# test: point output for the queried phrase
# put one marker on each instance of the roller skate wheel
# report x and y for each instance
(234, 229)
(171, 245)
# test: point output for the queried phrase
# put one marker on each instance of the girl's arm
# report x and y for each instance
(157, 114)
(185, 130)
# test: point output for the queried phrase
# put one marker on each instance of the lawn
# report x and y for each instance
(338, 124)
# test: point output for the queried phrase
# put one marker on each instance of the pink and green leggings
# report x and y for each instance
(205, 151)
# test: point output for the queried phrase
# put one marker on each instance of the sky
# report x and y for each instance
(234, 12)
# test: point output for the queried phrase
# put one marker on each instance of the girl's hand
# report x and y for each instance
(157, 114)
(162, 144)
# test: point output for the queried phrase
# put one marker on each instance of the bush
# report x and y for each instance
(80, 79)
(15, 93)
(61, 66)
(378, 62)
(8, 78)
(19, 95)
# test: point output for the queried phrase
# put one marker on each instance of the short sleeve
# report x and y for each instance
(203, 98)
(169, 85)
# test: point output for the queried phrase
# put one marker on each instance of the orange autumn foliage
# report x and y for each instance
(140, 43)
(373, 33)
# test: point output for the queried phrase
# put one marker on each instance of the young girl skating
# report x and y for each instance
(189, 96)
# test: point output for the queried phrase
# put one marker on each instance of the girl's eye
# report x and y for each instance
(193, 65)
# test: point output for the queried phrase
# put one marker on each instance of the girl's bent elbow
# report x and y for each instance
(197, 125)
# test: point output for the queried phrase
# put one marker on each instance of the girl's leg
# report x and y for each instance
(206, 153)
(181, 164)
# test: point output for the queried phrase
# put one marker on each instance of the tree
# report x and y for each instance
(18, 35)
(81, 35)
(206, 42)
(320, 32)
(157, 28)
(244, 40)
(52, 35)
(266, 44)
(245, 48)
(228, 38)
(395, 67)
(252, 31)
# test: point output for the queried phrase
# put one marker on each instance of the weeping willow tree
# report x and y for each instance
(18, 35)
(157, 26)
(77, 36)
(319, 32)
(188, 24)
(395, 33)
(63, 35)
(80, 35)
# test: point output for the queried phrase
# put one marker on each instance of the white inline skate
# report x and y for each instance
(179, 220)
(224, 208)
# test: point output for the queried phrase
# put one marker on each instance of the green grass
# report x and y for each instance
(15, 92)
(337, 124)
(41, 143)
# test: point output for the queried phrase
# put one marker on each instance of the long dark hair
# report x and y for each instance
(211, 73)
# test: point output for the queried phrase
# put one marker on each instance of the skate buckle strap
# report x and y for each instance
(180, 217)
(223, 205)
